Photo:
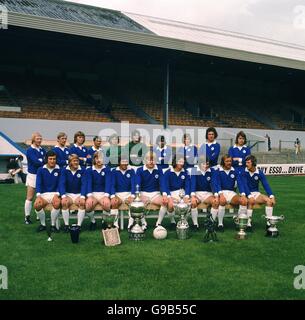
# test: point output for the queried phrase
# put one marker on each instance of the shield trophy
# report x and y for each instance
(241, 221)
(182, 209)
(137, 212)
(272, 230)
(111, 234)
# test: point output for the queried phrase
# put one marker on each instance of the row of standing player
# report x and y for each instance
(166, 201)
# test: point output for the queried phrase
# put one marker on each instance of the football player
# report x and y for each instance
(97, 142)
(252, 178)
(62, 152)
(204, 189)
(72, 189)
(35, 157)
(150, 180)
(98, 181)
(176, 179)
(47, 184)
(163, 153)
(189, 151)
(239, 151)
(211, 148)
(136, 150)
(79, 149)
(227, 178)
(122, 187)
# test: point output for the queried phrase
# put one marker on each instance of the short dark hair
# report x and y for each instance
(96, 138)
(241, 134)
(160, 138)
(211, 129)
(50, 153)
(223, 158)
(187, 135)
(176, 158)
(252, 158)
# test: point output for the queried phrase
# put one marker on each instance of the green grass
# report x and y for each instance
(257, 268)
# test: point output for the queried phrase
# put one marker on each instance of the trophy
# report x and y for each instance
(110, 234)
(210, 233)
(241, 221)
(137, 211)
(181, 209)
(273, 231)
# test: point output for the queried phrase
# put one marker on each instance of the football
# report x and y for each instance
(160, 233)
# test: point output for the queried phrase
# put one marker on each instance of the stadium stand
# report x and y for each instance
(47, 98)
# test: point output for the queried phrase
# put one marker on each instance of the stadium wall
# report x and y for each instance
(20, 130)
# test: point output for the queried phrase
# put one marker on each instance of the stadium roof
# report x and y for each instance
(88, 21)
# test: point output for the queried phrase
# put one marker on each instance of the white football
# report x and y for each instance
(160, 233)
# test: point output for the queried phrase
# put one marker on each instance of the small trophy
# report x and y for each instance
(181, 209)
(111, 234)
(273, 231)
(137, 211)
(241, 221)
(210, 233)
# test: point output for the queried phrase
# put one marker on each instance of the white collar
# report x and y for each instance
(252, 173)
(98, 170)
(150, 170)
(62, 148)
(68, 168)
(210, 143)
(222, 169)
(118, 169)
(160, 149)
(177, 173)
(36, 148)
(190, 146)
(236, 146)
(80, 147)
(46, 167)
(93, 148)
(203, 172)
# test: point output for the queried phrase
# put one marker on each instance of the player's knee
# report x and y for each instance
(56, 204)
(64, 204)
(222, 203)
(269, 203)
(38, 205)
(243, 202)
(114, 203)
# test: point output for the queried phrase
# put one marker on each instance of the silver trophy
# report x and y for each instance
(137, 212)
(182, 209)
(241, 221)
(273, 231)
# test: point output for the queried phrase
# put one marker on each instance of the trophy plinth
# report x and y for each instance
(273, 231)
(241, 221)
(111, 234)
(181, 209)
(137, 211)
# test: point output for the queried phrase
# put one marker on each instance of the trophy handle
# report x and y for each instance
(282, 217)
(235, 219)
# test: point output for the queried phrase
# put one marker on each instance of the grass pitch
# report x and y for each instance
(257, 268)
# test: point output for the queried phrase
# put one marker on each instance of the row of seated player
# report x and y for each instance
(216, 185)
